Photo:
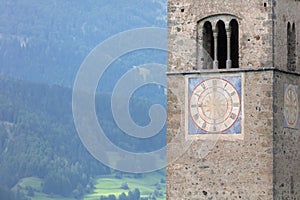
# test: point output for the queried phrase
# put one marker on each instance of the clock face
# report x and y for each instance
(291, 106)
(214, 105)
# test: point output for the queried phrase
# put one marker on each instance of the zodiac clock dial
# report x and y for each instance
(214, 105)
(291, 106)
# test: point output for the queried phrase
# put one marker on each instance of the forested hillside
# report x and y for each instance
(38, 138)
(42, 45)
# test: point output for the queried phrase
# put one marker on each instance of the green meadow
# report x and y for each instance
(151, 184)
(147, 185)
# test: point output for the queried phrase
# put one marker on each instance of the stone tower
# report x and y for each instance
(233, 99)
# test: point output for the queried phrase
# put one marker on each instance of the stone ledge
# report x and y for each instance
(233, 70)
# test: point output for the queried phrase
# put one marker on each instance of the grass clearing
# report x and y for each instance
(104, 186)
(30, 181)
(147, 184)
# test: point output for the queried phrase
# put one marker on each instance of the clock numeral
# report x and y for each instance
(236, 105)
(203, 85)
(198, 95)
(225, 85)
(214, 82)
(196, 116)
(233, 116)
(214, 128)
(204, 125)
(232, 93)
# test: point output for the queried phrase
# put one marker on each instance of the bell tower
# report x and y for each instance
(233, 99)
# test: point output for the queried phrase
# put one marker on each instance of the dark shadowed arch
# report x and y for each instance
(208, 40)
(291, 47)
(222, 44)
(234, 43)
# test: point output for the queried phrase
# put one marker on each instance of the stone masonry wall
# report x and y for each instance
(240, 169)
(285, 11)
(286, 145)
(255, 28)
(265, 163)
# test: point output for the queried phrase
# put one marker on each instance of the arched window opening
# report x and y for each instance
(289, 35)
(208, 45)
(222, 44)
(293, 50)
(234, 43)
(218, 42)
(291, 47)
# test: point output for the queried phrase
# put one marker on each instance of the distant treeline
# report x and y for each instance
(38, 137)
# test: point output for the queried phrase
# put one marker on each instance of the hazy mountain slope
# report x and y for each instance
(46, 41)
(38, 137)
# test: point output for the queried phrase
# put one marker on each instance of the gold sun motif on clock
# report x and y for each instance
(214, 106)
